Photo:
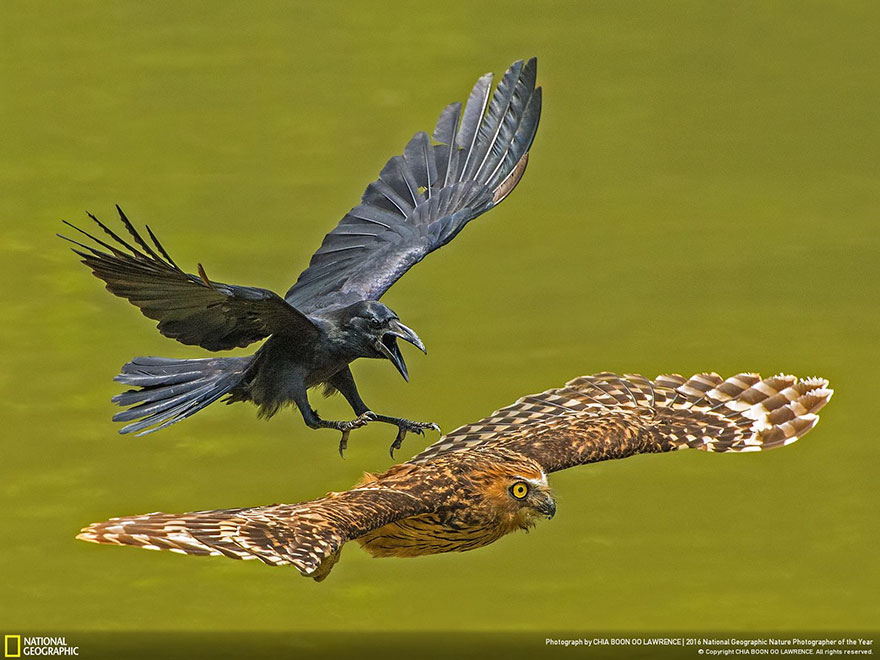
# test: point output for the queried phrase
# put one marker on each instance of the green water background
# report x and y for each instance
(702, 195)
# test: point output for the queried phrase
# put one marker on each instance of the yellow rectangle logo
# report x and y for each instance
(12, 646)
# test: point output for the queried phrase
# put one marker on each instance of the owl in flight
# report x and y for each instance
(488, 479)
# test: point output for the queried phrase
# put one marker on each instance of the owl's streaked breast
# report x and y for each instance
(427, 534)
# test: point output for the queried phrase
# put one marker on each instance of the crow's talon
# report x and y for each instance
(348, 427)
(406, 425)
(417, 427)
(361, 420)
(343, 443)
(398, 441)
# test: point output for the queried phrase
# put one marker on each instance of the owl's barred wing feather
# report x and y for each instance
(308, 535)
(426, 195)
(607, 416)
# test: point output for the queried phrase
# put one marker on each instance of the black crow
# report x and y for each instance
(332, 315)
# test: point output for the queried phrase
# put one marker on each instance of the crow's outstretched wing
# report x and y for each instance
(424, 197)
(607, 416)
(189, 308)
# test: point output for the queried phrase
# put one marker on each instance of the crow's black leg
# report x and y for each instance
(310, 417)
(344, 382)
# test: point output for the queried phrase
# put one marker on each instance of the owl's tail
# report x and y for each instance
(742, 413)
(171, 390)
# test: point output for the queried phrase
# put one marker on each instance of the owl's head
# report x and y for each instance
(518, 494)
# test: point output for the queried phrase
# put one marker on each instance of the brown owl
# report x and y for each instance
(488, 479)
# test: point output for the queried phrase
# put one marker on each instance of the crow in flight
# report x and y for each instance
(332, 315)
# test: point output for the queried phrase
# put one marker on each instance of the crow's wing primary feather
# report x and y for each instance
(189, 308)
(425, 196)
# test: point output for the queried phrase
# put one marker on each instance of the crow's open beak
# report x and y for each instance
(387, 345)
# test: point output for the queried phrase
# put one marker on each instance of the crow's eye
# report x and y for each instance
(519, 490)
(375, 323)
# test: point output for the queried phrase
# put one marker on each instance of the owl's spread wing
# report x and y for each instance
(308, 535)
(189, 308)
(424, 197)
(607, 416)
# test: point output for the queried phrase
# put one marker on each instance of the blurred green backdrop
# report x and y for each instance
(702, 195)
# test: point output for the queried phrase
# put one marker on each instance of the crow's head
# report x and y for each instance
(376, 330)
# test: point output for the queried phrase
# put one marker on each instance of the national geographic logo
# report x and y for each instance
(16, 646)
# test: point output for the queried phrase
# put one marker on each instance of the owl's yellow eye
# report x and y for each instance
(519, 490)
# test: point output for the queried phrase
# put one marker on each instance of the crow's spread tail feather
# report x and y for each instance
(171, 390)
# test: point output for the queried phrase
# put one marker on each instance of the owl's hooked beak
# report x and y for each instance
(546, 505)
